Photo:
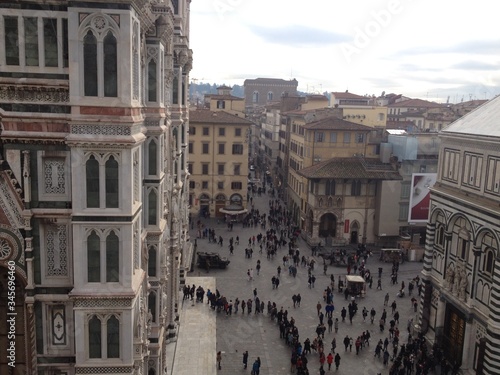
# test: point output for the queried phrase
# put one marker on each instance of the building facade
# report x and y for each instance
(460, 302)
(93, 214)
(262, 91)
(218, 162)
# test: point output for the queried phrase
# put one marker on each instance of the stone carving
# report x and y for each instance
(57, 255)
(457, 281)
(5, 249)
(106, 303)
(463, 284)
(99, 23)
(100, 130)
(34, 94)
(54, 176)
(450, 276)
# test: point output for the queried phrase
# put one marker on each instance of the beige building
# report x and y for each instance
(218, 162)
(225, 101)
(460, 303)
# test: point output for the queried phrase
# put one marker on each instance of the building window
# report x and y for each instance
(152, 158)
(204, 148)
(330, 187)
(192, 185)
(222, 147)
(440, 236)
(50, 42)
(93, 258)
(111, 172)
(347, 138)
(405, 190)
(152, 261)
(381, 117)
(237, 168)
(206, 131)
(451, 165)
(489, 261)
(110, 66)
(152, 81)
(112, 258)
(269, 96)
(220, 185)
(152, 207)
(221, 104)
(95, 336)
(319, 136)
(403, 212)
(111, 338)
(236, 185)
(190, 168)
(152, 306)
(204, 169)
(92, 182)
(473, 165)
(190, 147)
(204, 184)
(333, 137)
(31, 41)
(492, 185)
(360, 138)
(11, 30)
(192, 130)
(356, 188)
(237, 149)
(90, 64)
(220, 169)
(222, 132)
(237, 132)
(255, 97)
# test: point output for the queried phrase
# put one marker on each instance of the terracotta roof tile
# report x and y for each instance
(205, 116)
(223, 97)
(351, 168)
(347, 95)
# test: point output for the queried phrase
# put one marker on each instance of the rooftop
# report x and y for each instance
(347, 95)
(335, 123)
(206, 116)
(271, 81)
(418, 103)
(483, 121)
(355, 167)
(223, 97)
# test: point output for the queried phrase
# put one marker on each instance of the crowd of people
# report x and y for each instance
(275, 233)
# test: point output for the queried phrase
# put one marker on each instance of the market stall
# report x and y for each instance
(355, 285)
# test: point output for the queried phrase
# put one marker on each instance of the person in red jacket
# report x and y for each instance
(329, 360)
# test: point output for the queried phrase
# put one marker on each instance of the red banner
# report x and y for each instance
(346, 226)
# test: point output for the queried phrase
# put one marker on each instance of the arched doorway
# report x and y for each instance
(20, 338)
(236, 200)
(354, 230)
(204, 205)
(328, 225)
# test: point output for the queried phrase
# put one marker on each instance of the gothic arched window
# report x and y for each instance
(90, 64)
(110, 66)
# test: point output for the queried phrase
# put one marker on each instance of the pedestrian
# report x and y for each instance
(379, 284)
(343, 313)
(318, 307)
(256, 368)
(346, 342)
(336, 325)
(337, 361)
(386, 299)
(365, 313)
(245, 359)
(219, 360)
(329, 360)
(330, 324)
(393, 306)
(372, 314)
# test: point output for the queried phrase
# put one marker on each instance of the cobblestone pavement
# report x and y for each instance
(260, 336)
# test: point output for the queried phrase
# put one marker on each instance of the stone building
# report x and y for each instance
(218, 162)
(262, 91)
(460, 301)
(93, 179)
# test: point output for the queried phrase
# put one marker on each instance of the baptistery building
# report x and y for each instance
(460, 309)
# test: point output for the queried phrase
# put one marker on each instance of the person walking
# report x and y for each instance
(245, 359)
(336, 325)
(337, 361)
(219, 360)
(329, 360)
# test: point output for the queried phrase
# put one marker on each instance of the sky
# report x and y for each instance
(419, 48)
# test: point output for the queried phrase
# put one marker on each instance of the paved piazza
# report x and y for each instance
(260, 336)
